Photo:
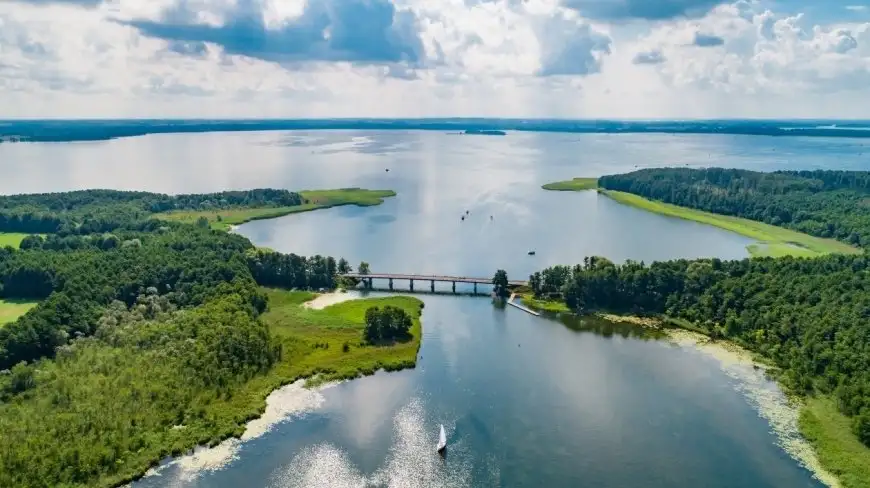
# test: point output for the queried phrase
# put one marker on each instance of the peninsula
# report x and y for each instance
(131, 329)
(805, 316)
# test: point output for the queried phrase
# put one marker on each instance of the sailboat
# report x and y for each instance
(442, 441)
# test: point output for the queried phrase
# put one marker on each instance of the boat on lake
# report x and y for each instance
(531, 253)
(442, 441)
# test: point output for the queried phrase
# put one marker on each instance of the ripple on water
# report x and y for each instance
(411, 463)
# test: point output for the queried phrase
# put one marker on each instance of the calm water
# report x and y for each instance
(527, 401)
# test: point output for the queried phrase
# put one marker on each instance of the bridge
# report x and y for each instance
(367, 279)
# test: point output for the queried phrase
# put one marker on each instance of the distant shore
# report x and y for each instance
(16, 131)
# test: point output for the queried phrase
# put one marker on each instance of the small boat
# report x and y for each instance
(463, 217)
(442, 440)
(531, 253)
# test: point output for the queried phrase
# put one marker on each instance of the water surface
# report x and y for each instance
(527, 401)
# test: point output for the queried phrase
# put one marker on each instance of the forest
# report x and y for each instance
(822, 203)
(811, 317)
(141, 325)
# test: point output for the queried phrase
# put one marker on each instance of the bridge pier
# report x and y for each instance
(432, 286)
(412, 285)
(370, 283)
(454, 287)
(475, 288)
(391, 284)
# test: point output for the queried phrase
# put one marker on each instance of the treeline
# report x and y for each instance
(97, 211)
(810, 316)
(831, 204)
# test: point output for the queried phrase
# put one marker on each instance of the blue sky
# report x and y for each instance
(419, 58)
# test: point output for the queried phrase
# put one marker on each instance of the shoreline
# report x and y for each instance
(780, 411)
(283, 404)
(771, 241)
(284, 397)
(230, 219)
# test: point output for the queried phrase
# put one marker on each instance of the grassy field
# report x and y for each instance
(11, 239)
(10, 310)
(838, 449)
(577, 184)
(555, 306)
(317, 199)
(313, 347)
(772, 241)
(322, 335)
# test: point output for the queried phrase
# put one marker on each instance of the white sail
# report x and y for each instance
(442, 439)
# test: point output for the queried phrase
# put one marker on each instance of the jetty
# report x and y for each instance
(521, 307)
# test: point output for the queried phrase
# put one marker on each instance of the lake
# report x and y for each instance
(526, 401)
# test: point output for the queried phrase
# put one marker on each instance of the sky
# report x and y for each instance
(617, 59)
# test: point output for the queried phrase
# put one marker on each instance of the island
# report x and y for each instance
(133, 327)
(483, 132)
(803, 307)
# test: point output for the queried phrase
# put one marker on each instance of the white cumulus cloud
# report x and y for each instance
(417, 58)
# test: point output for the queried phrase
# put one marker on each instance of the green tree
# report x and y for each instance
(363, 268)
(500, 283)
(344, 267)
(386, 324)
(32, 242)
(202, 223)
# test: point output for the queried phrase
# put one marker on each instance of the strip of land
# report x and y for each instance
(576, 184)
(11, 309)
(772, 240)
(224, 219)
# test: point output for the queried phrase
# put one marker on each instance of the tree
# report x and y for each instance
(202, 222)
(344, 267)
(386, 324)
(364, 268)
(31, 242)
(500, 283)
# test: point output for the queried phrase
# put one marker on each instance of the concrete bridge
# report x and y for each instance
(367, 279)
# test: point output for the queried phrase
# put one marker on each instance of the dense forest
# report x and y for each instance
(811, 317)
(163, 313)
(92, 211)
(834, 204)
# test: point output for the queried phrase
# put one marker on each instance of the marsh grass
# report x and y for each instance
(831, 436)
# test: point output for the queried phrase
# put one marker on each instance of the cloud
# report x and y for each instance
(76, 3)
(707, 40)
(370, 58)
(649, 57)
(356, 31)
(570, 47)
(621, 10)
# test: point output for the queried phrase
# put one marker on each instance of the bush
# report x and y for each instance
(386, 324)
